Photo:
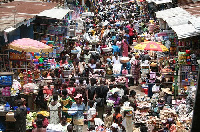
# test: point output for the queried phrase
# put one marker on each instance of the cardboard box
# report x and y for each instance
(10, 117)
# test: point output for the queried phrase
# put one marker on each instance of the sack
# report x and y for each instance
(100, 101)
(79, 122)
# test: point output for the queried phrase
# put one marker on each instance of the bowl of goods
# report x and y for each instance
(124, 59)
(107, 49)
(74, 51)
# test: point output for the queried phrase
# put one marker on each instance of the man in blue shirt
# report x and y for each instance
(115, 48)
(79, 117)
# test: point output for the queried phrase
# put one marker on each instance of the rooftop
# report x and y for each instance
(13, 13)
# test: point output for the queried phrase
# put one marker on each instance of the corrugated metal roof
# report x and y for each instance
(184, 2)
(159, 1)
(182, 22)
(193, 9)
(20, 11)
(57, 13)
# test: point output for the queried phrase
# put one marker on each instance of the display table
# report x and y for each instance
(3, 113)
(9, 124)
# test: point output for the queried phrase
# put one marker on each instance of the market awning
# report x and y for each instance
(182, 22)
(173, 13)
(159, 1)
(57, 13)
(185, 31)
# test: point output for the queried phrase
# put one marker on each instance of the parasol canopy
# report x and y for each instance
(151, 45)
(29, 45)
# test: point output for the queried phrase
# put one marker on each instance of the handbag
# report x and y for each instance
(100, 101)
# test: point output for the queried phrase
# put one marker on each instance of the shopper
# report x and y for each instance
(66, 102)
(136, 69)
(55, 110)
(108, 119)
(20, 116)
(114, 97)
(79, 117)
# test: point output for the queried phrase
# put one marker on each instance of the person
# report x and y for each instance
(131, 34)
(63, 124)
(132, 98)
(87, 56)
(136, 69)
(90, 89)
(91, 113)
(108, 120)
(168, 96)
(114, 127)
(55, 109)
(117, 117)
(114, 97)
(100, 94)
(115, 59)
(66, 102)
(40, 101)
(45, 121)
(20, 116)
(124, 47)
(156, 87)
(70, 128)
(119, 44)
(39, 127)
(92, 64)
(79, 117)
(103, 46)
(24, 101)
(124, 73)
(115, 48)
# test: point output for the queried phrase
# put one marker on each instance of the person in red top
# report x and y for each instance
(131, 34)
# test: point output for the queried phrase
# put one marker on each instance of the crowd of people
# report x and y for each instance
(93, 85)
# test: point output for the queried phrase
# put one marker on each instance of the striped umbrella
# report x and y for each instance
(152, 46)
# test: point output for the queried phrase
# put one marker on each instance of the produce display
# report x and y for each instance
(30, 119)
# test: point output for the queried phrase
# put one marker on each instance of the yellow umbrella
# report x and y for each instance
(152, 46)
